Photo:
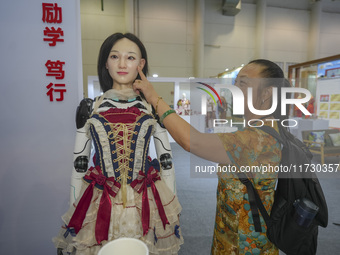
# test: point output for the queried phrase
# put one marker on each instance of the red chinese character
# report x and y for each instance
(55, 68)
(53, 35)
(52, 90)
(52, 13)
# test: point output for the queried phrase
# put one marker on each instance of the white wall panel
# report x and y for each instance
(169, 56)
(180, 10)
(247, 15)
(99, 27)
(229, 36)
(91, 51)
(330, 34)
(287, 35)
(96, 26)
(164, 31)
(172, 71)
(37, 136)
(287, 19)
(330, 23)
(286, 55)
(167, 28)
(111, 8)
(330, 44)
(286, 40)
(226, 57)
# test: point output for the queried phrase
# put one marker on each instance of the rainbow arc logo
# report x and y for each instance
(209, 93)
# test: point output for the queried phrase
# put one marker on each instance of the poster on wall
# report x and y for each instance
(332, 73)
(328, 107)
(324, 98)
(329, 69)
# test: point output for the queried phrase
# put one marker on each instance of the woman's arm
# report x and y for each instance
(207, 146)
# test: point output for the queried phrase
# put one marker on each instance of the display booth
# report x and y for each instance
(322, 78)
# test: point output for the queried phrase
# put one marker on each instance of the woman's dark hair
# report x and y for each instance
(105, 79)
(274, 78)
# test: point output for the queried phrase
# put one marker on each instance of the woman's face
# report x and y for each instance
(122, 63)
(250, 76)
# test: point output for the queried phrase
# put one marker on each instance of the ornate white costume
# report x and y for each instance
(124, 193)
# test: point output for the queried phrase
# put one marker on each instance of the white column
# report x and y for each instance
(82, 87)
(131, 16)
(260, 28)
(176, 94)
(314, 30)
(199, 39)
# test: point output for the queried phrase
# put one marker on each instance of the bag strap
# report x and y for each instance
(254, 198)
(255, 203)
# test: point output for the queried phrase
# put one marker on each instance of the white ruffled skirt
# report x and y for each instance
(126, 222)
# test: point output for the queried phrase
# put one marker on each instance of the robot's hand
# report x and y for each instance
(83, 112)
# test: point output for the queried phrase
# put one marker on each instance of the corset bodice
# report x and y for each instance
(121, 140)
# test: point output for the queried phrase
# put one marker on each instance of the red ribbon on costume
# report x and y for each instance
(140, 184)
(110, 187)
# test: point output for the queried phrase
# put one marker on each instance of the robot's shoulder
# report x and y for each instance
(83, 111)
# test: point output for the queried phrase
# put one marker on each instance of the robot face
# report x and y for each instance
(123, 61)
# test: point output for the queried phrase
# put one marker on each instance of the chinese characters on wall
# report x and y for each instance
(53, 35)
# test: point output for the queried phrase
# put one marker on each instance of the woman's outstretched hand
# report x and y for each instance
(145, 87)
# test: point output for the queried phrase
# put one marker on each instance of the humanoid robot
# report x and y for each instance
(117, 189)
(82, 150)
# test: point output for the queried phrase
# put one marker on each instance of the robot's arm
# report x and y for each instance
(164, 156)
(82, 148)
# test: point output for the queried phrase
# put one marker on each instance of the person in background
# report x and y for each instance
(297, 111)
(222, 109)
(124, 193)
(234, 231)
(183, 105)
(311, 107)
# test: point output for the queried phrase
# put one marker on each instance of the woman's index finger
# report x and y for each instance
(141, 74)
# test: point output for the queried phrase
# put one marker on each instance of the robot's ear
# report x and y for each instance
(142, 63)
(83, 112)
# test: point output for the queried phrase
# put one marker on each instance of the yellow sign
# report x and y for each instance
(335, 98)
(335, 107)
(323, 114)
(324, 106)
(334, 115)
